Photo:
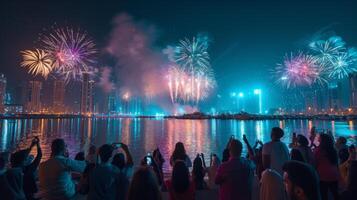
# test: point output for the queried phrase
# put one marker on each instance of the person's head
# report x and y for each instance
(343, 155)
(301, 181)
(92, 149)
(235, 148)
(276, 133)
(197, 169)
(327, 145)
(215, 162)
(80, 156)
(119, 160)
(302, 140)
(352, 176)
(58, 147)
(19, 158)
(179, 152)
(341, 141)
(180, 177)
(295, 154)
(105, 153)
(144, 185)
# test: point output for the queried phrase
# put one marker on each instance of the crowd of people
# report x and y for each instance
(318, 167)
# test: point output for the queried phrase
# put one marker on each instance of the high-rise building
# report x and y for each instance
(58, 96)
(86, 106)
(334, 96)
(2, 92)
(34, 97)
(353, 89)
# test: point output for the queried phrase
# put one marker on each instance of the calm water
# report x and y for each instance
(144, 135)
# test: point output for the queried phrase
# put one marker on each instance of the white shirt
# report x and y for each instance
(55, 177)
(279, 154)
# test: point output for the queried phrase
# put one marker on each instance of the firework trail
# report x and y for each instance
(38, 62)
(300, 70)
(181, 84)
(190, 78)
(72, 52)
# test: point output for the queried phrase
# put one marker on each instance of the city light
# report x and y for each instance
(241, 94)
(259, 93)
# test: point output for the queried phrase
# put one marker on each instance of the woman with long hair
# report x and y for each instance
(327, 166)
(180, 187)
(144, 185)
(198, 174)
(180, 154)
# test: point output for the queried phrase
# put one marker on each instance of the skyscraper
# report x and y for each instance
(58, 96)
(353, 89)
(34, 97)
(334, 96)
(86, 106)
(2, 92)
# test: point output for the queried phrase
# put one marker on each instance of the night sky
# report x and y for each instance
(248, 37)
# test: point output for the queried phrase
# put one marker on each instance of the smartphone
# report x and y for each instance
(117, 145)
(148, 160)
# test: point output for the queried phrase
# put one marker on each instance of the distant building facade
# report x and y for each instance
(353, 89)
(335, 96)
(2, 92)
(86, 105)
(34, 97)
(59, 89)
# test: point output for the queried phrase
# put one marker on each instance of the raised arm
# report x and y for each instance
(203, 160)
(250, 149)
(34, 165)
(129, 158)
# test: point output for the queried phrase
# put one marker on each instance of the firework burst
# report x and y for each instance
(343, 64)
(191, 79)
(72, 52)
(38, 62)
(299, 70)
(325, 50)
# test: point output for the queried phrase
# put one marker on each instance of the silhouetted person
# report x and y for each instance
(351, 192)
(180, 187)
(180, 154)
(272, 186)
(198, 174)
(235, 176)
(301, 181)
(144, 185)
(295, 154)
(55, 173)
(275, 152)
(21, 159)
(327, 166)
(105, 180)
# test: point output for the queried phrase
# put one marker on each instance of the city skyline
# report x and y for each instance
(237, 61)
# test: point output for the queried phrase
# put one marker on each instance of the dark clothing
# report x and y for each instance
(30, 186)
(349, 195)
(325, 186)
(106, 182)
(235, 179)
(11, 185)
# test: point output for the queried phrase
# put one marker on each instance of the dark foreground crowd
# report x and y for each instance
(315, 168)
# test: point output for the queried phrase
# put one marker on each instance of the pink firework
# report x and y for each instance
(299, 70)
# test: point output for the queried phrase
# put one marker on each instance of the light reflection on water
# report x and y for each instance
(144, 135)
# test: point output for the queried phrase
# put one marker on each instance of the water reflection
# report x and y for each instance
(144, 135)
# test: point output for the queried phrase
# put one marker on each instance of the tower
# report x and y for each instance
(86, 106)
(2, 92)
(58, 96)
(353, 89)
(34, 97)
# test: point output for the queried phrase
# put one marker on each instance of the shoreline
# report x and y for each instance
(194, 116)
